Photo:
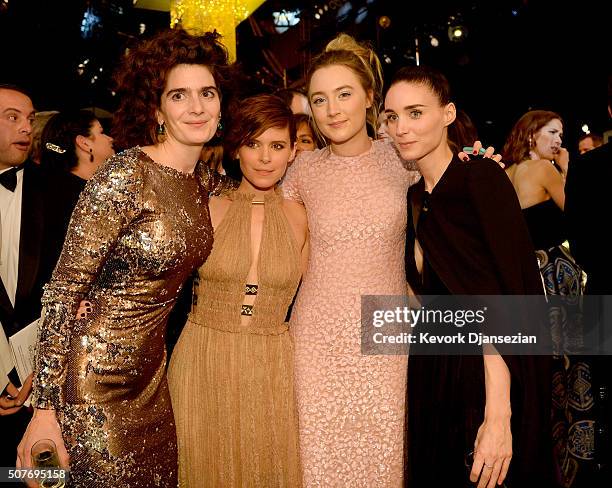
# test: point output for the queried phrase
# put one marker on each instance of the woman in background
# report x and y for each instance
(536, 165)
(75, 143)
(305, 133)
(40, 120)
(73, 146)
(231, 373)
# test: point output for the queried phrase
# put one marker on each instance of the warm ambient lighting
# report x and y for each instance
(198, 16)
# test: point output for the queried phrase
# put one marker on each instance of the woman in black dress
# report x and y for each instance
(536, 163)
(466, 236)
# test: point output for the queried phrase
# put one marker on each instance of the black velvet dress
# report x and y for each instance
(475, 242)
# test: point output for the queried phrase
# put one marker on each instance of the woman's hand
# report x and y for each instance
(562, 160)
(42, 426)
(13, 398)
(85, 308)
(492, 452)
(489, 153)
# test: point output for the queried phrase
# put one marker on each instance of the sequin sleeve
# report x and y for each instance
(109, 202)
(215, 183)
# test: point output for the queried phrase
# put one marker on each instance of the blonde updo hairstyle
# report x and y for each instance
(361, 59)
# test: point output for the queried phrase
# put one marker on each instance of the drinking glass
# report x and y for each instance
(44, 456)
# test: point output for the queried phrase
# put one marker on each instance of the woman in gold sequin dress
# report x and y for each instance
(140, 228)
(231, 372)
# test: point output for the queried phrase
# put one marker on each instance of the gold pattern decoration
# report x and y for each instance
(199, 16)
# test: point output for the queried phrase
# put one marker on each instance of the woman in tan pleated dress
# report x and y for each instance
(231, 373)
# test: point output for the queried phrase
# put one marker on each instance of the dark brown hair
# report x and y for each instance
(361, 60)
(424, 75)
(141, 79)
(461, 132)
(60, 133)
(252, 116)
(17, 88)
(522, 136)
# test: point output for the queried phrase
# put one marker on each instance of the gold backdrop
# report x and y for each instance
(198, 16)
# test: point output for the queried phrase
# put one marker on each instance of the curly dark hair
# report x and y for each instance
(141, 79)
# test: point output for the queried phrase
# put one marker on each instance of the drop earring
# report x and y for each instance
(161, 129)
(219, 127)
(91, 158)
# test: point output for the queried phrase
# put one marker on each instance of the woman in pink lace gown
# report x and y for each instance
(351, 406)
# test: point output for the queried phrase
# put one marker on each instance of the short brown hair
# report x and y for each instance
(252, 116)
(141, 79)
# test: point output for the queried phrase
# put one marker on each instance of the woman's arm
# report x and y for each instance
(109, 202)
(552, 181)
(298, 221)
(513, 259)
(493, 445)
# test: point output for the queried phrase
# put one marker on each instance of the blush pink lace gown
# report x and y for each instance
(350, 406)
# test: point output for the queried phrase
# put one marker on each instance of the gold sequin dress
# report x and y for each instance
(138, 231)
(351, 406)
(231, 382)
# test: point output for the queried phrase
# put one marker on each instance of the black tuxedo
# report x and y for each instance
(30, 248)
(587, 210)
(46, 205)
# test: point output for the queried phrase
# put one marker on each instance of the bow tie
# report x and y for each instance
(8, 179)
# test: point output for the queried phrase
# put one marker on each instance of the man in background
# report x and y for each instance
(588, 207)
(29, 248)
(588, 142)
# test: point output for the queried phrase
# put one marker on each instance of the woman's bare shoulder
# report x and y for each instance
(533, 168)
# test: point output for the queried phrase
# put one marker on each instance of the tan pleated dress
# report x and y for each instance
(232, 385)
